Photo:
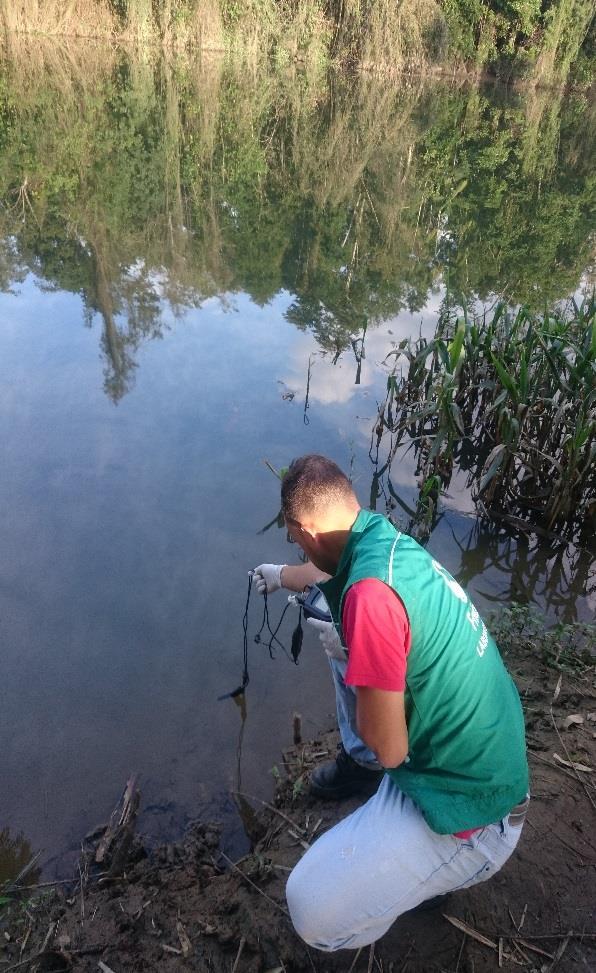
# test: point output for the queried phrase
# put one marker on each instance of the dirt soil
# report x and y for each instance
(186, 907)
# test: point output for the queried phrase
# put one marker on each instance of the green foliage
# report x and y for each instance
(569, 647)
(520, 390)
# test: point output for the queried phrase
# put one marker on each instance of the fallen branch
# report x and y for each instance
(117, 838)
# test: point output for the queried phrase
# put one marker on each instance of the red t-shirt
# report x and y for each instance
(377, 633)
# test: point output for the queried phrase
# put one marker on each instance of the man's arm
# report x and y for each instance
(381, 723)
(295, 577)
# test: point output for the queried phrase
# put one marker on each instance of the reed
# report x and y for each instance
(510, 399)
(77, 18)
(377, 35)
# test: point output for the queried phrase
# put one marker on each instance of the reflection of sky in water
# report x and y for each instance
(127, 533)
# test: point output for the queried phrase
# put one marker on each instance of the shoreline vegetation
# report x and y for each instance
(518, 40)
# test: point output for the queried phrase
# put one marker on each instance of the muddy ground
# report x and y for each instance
(186, 907)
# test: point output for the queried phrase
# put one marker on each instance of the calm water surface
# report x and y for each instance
(190, 261)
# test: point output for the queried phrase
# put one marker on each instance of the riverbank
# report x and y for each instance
(187, 906)
(516, 40)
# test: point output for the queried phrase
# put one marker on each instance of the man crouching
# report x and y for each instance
(425, 706)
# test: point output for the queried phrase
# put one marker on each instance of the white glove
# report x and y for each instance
(267, 578)
(329, 638)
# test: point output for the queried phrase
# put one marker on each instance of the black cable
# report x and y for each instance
(296, 639)
(245, 676)
(272, 633)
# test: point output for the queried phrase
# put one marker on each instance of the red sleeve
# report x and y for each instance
(377, 634)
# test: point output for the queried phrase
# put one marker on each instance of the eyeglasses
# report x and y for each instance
(296, 525)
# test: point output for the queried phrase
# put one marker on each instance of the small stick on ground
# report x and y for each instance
(300, 841)
(25, 940)
(534, 949)
(524, 956)
(355, 960)
(551, 763)
(270, 807)
(555, 935)
(241, 946)
(49, 934)
(371, 958)
(564, 745)
(252, 884)
(47, 885)
(461, 949)
(562, 947)
(185, 942)
(82, 894)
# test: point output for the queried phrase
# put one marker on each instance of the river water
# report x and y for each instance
(203, 268)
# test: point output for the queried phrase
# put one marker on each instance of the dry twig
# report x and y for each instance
(355, 960)
(241, 946)
(564, 745)
(252, 884)
(270, 807)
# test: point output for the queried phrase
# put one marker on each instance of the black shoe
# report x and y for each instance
(343, 777)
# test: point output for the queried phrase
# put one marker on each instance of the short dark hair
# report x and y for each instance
(312, 484)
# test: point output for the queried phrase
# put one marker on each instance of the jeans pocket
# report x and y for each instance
(471, 842)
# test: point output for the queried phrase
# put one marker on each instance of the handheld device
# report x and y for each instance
(314, 604)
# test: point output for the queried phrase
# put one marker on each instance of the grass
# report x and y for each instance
(377, 35)
(510, 399)
(77, 18)
(566, 647)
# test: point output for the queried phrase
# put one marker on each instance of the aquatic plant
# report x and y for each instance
(510, 399)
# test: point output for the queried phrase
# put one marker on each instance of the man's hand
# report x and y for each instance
(267, 578)
(329, 638)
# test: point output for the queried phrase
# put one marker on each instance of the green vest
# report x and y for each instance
(466, 763)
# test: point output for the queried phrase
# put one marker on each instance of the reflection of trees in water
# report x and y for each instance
(530, 573)
(153, 184)
(134, 300)
(549, 575)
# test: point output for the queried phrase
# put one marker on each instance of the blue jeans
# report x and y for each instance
(345, 701)
(382, 861)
